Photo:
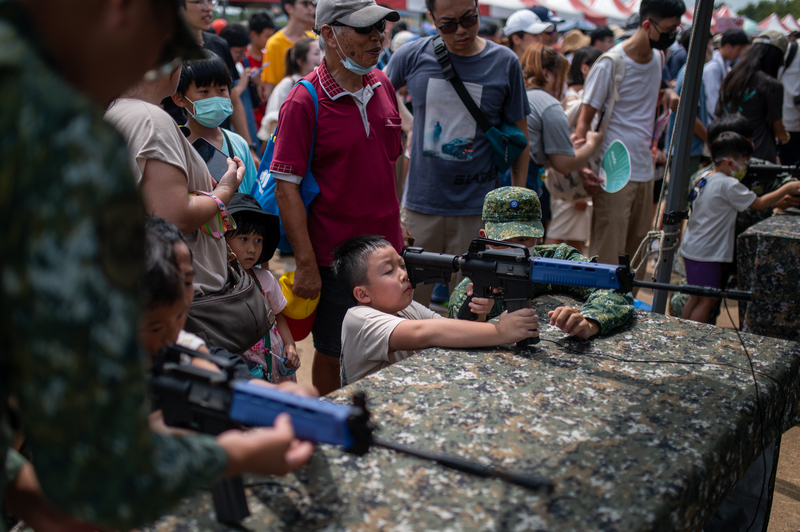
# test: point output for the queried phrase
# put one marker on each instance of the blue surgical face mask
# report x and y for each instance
(211, 112)
(349, 64)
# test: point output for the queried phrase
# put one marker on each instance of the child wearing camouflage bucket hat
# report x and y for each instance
(514, 214)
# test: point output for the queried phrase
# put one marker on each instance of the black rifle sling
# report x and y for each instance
(451, 75)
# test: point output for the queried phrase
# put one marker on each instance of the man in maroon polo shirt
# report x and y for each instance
(357, 142)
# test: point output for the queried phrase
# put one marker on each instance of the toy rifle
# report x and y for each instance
(212, 402)
(509, 274)
(758, 172)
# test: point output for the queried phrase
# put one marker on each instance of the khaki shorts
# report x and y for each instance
(440, 234)
(620, 221)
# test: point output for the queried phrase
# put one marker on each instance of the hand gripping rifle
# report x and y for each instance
(213, 402)
(509, 274)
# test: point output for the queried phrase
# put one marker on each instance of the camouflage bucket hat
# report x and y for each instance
(512, 212)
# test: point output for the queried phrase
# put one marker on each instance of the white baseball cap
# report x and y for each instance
(527, 21)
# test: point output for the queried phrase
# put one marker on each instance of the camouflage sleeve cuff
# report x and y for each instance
(609, 309)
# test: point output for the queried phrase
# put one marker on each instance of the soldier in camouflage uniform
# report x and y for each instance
(514, 214)
(71, 252)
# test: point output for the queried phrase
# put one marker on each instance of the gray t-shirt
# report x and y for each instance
(452, 166)
(547, 110)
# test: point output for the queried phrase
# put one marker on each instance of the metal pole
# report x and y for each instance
(682, 143)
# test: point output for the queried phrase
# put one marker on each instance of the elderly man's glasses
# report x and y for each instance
(451, 27)
(203, 4)
(365, 30)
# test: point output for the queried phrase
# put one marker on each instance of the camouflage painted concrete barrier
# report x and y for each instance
(629, 445)
(768, 255)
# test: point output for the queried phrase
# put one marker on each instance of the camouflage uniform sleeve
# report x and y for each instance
(607, 307)
(71, 252)
(459, 297)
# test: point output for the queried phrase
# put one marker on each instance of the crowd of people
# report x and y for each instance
(115, 198)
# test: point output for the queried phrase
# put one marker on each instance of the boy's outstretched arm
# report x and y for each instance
(773, 198)
(412, 335)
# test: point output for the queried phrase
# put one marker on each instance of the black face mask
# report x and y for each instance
(664, 41)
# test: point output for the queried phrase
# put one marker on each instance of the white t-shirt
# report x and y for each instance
(634, 115)
(152, 134)
(791, 88)
(709, 235)
(365, 339)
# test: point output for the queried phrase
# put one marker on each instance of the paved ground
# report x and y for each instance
(785, 515)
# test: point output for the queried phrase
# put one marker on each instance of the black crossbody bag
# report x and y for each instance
(507, 140)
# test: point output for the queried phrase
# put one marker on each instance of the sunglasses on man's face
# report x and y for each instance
(365, 30)
(451, 27)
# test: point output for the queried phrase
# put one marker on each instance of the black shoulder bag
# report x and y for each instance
(506, 139)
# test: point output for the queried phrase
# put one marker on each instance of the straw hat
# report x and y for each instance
(573, 40)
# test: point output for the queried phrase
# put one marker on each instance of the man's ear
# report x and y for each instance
(326, 33)
(361, 295)
(482, 232)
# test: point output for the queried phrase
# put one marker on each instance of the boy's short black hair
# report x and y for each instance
(661, 9)
(351, 259)
(259, 21)
(600, 34)
(735, 122)
(211, 70)
(734, 38)
(730, 144)
(235, 35)
(161, 282)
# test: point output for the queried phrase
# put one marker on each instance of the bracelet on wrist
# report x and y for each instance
(222, 220)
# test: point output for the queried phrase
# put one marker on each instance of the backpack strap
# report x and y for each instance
(312, 91)
(228, 142)
(790, 56)
(617, 75)
(310, 88)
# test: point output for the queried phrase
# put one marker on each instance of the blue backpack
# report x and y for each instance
(264, 187)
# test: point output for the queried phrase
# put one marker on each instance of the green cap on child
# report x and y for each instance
(512, 212)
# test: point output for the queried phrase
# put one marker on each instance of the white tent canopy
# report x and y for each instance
(612, 9)
(570, 7)
(502, 8)
(790, 22)
(772, 22)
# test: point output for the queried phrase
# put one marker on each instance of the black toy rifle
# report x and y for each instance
(759, 172)
(213, 402)
(509, 274)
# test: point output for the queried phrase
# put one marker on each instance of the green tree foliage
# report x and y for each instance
(765, 8)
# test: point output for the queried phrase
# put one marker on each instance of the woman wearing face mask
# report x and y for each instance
(751, 88)
(544, 69)
(301, 60)
(167, 168)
